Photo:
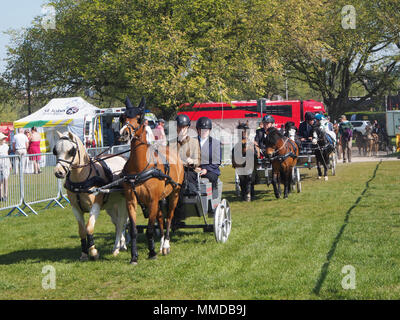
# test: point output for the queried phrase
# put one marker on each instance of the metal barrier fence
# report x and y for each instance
(21, 185)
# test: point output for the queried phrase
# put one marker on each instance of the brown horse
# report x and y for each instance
(360, 142)
(152, 176)
(244, 159)
(283, 153)
(372, 141)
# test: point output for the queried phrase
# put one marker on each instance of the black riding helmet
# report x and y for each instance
(204, 123)
(268, 119)
(309, 116)
(182, 120)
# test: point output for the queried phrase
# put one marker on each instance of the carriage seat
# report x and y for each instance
(206, 189)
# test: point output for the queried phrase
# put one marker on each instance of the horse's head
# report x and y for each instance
(132, 121)
(68, 151)
(318, 135)
(273, 141)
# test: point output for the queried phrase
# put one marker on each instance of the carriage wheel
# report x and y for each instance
(222, 221)
(298, 180)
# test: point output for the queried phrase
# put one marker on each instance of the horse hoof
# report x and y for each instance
(94, 254)
(152, 256)
(116, 252)
(319, 177)
(84, 257)
(133, 263)
(326, 178)
(166, 251)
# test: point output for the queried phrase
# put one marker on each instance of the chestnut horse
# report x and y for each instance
(152, 176)
(283, 153)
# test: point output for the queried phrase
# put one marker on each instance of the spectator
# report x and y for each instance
(34, 148)
(20, 147)
(5, 167)
(159, 133)
(149, 133)
(345, 136)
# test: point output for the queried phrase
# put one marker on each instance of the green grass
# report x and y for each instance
(278, 249)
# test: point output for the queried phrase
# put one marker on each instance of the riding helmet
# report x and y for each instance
(319, 117)
(268, 119)
(309, 116)
(182, 120)
(204, 123)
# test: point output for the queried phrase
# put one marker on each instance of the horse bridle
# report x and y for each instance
(73, 152)
(132, 131)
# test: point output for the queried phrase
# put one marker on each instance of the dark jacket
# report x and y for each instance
(260, 138)
(305, 130)
(211, 155)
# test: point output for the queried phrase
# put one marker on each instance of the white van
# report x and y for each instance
(360, 125)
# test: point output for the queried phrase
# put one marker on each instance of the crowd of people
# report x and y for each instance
(25, 142)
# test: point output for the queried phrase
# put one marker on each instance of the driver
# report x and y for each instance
(267, 122)
(188, 148)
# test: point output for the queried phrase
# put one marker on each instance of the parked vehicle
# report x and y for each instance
(360, 125)
(282, 111)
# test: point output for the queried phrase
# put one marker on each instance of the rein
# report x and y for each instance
(281, 158)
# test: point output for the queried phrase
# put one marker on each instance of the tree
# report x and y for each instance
(344, 56)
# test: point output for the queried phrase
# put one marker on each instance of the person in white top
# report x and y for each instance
(5, 166)
(20, 146)
(149, 133)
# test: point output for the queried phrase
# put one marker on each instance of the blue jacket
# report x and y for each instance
(211, 155)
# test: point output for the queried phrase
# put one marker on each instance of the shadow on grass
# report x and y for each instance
(331, 252)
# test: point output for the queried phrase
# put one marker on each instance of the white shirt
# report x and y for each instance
(20, 140)
(203, 141)
(149, 135)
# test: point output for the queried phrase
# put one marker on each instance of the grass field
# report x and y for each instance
(278, 249)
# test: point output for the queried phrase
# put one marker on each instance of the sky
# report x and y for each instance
(16, 14)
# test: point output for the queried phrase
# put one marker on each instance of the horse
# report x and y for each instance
(322, 150)
(245, 168)
(82, 174)
(372, 141)
(360, 142)
(283, 153)
(154, 178)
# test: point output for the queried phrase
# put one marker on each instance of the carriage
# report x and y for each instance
(205, 203)
(208, 203)
(263, 175)
(307, 159)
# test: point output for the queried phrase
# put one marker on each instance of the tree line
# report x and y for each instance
(177, 51)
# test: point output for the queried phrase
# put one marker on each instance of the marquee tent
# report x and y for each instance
(61, 114)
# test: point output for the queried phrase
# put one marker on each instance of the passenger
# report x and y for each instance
(188, 149)
(210, 151)
(267, 122)
(189, 153)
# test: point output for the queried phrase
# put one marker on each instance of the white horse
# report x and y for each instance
(83, 175)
